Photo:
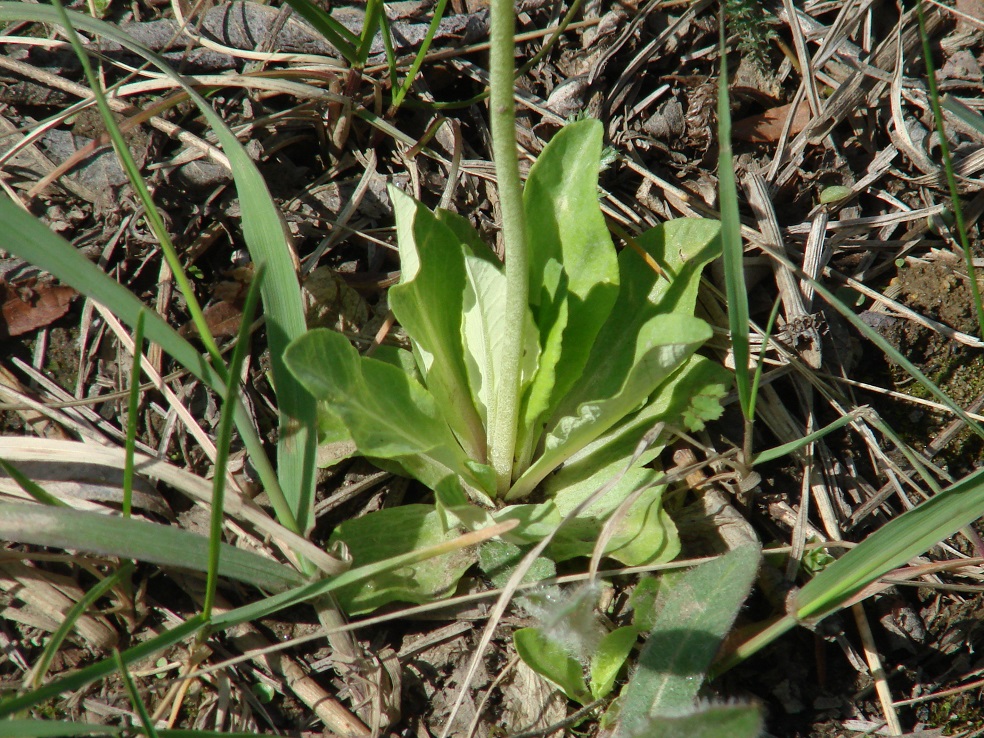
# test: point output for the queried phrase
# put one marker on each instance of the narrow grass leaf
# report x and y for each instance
(76, 680)
(266, 240)
(907, 536)
(777, 452)
(55, 729)
(150, 212)
(418, 60)
(223, 439)
(41, 666)
(370, 24)
(137, 539)
(951, 179)
(734, 263)
(334, 32)
(32, 488)
(968, 115)
(134, 695)
(132, 408)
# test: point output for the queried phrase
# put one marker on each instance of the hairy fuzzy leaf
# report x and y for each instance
(549, 659)
(698, 610)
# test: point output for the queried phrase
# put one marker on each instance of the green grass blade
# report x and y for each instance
(293, 495)
(41, 666)
(151, 214)
(29, 239)
(760, 365)
(421, 53)
(734, 265)
(137, 539)
(79, 679)
(907, 536)
(131, 690)
(777, 452)
(370, 24)
(334, 32)
(32, 488)
(133, 407)
(951, 180)
(53, 729)
(967, 115)
(224, 440)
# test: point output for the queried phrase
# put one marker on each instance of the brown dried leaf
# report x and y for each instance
(28, 305)
(767, 127)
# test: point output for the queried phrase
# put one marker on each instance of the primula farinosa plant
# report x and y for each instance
(608, 345)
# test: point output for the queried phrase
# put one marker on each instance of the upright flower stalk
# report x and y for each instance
(504, 409)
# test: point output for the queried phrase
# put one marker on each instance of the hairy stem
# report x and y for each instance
(505, 411)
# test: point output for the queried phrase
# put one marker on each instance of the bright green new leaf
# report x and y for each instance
(573, 268)
(608, 660)
(907, 536)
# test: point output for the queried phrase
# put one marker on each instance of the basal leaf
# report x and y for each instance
(645, 534)
(498, 560)
(390, 532)
(428, 302)
(614, 385)
(388, 414)
(689, 397)
(566, 227)
(682, 248)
